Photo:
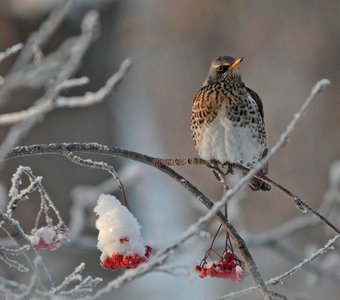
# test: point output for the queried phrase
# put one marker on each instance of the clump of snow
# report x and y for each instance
(119, 230)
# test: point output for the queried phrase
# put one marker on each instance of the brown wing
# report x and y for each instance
(257, 99)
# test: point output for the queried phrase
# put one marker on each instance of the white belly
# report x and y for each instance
(223, 141)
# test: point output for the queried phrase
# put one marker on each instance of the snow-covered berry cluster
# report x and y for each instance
(119, 237)
(46, 238)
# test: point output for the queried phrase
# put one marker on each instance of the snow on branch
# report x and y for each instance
(10, 51)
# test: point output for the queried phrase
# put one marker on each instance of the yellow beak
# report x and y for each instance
(236, 63)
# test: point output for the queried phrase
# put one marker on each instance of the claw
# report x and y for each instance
(229, 166)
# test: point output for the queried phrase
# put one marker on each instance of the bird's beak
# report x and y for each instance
(236, 63)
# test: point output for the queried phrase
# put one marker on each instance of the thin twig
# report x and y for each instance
(38, 38)
(97, 165)
(10, 51)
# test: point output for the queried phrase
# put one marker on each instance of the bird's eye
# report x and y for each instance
(222, 68)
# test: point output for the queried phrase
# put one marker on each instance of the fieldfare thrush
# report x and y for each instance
(227, 121)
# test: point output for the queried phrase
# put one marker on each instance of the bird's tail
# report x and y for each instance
(259, 185)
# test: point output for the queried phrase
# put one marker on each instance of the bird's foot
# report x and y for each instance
(230, 169)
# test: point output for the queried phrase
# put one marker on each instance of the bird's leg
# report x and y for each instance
(214, 165)
(226, 188)
(220, 175)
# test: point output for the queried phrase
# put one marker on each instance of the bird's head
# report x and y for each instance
(223, 68)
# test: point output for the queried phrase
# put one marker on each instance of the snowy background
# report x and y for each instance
(287, 45)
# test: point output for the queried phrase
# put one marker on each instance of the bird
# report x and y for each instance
(227, 121)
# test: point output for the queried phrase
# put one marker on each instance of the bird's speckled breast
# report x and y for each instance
(223, 140)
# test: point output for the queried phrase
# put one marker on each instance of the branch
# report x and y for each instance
(76, 53)
(88, 99)
(38, 38)
(96, 165)
(13, 230)
(10, 51)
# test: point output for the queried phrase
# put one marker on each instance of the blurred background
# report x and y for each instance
(288, 46)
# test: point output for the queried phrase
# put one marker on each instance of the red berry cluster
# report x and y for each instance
(229, 267)
(127, 261)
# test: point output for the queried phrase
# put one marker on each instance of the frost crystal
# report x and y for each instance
(119, 237)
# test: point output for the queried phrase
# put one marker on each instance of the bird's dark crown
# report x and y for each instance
(223, 68)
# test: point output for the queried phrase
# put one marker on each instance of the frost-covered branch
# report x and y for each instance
(96, 165)
(10, 51)
(83, 286)
(75, 55)
(13, 230)
(39, 38)
(5, 252)
(299, 223)
(90, 98)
